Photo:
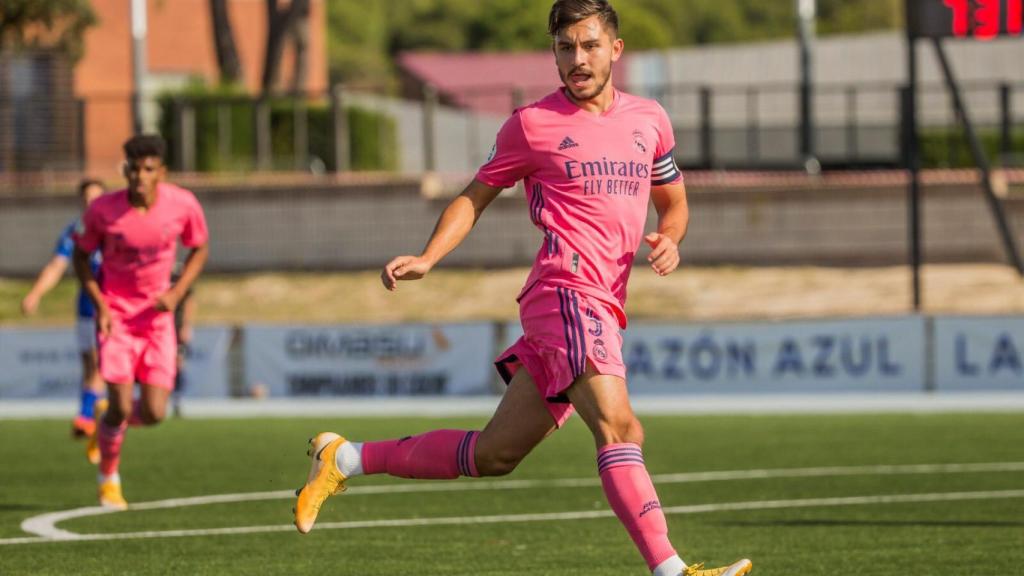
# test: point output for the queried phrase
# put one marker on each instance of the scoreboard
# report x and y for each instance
(976, 19)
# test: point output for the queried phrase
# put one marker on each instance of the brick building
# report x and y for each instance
(78, 117)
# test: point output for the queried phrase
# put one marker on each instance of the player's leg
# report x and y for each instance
(110, 433)
(151, 408)
(603, 403)
(93, 403)
(520, 422)
(92, 389)
(155, 370)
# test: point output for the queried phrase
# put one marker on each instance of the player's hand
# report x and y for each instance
(104, 323)
(30, 304)
(664, 256)
(167, 301)
(404, 268)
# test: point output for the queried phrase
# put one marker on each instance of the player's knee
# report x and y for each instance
(116, 414)
(153, 414)
(622, 430)
(118, 410)
(497, 462)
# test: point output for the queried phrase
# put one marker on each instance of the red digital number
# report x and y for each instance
(961, 16)
(983, 18)
(1015, 17)
(987, 18)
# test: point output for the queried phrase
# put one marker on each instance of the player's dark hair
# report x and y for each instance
(145, 146)
(87, 183)
(565, 13)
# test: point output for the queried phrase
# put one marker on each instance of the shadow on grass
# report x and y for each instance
(11, 507)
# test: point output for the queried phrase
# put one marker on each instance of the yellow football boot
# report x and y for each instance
(111, 497)
(324, 479)
(736, 569)
(92, 446)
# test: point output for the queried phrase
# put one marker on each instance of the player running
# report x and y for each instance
(137, 230)
(85, 327)
(591, 158)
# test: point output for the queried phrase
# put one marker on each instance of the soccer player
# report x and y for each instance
(85, 327)
(137, 230)
(591, 157)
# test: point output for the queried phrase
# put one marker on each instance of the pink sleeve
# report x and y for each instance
(194, 234)
(665, 170)
(89, 234)
(509, 161)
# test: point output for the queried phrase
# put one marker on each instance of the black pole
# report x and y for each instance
(981, 159)
(805, 15)
(706, 129)
(913, 170)
(1006, 120)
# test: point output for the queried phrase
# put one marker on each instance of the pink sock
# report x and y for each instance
(631, 494)
(438, 455)
(110, 439)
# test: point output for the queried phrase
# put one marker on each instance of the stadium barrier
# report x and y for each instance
(865, 355)
(397, 360)
(45, 363)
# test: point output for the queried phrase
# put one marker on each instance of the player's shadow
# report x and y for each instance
(877, 523)
(11, 507)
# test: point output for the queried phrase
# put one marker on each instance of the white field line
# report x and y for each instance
(44, 525)
(548, 517)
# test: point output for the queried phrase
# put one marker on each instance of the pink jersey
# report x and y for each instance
(139, 247)
(588, 180)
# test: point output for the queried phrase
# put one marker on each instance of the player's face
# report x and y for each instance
(584, 53)
(144, 174)
(91, 193)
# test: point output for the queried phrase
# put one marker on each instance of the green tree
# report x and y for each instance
(358, 35)
(366, 36)
(843, 16)
(59, 24)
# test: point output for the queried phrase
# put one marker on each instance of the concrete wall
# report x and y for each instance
(335, 227)
(874, 62)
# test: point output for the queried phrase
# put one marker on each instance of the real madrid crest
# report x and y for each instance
(639, 142)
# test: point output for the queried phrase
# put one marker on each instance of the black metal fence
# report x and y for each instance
(731, 127)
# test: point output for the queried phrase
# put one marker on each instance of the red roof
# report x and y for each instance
(487, 82)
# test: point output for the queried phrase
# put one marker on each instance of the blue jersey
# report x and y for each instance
(66, 248)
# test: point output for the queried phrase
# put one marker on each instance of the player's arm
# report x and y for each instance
(48, 277)
(194, 263)
(673, 220)
(83, 269)
(452, 228)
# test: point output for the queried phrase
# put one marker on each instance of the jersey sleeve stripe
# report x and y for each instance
(665, 170)
(663, 157)
(667, 180)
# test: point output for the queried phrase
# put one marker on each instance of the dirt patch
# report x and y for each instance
(690, 294)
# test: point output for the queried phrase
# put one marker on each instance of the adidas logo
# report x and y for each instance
(567, 143)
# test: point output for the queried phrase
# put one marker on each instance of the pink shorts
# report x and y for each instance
(143, 350)
(563, 331)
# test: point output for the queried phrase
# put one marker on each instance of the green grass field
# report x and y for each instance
(42, 471)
